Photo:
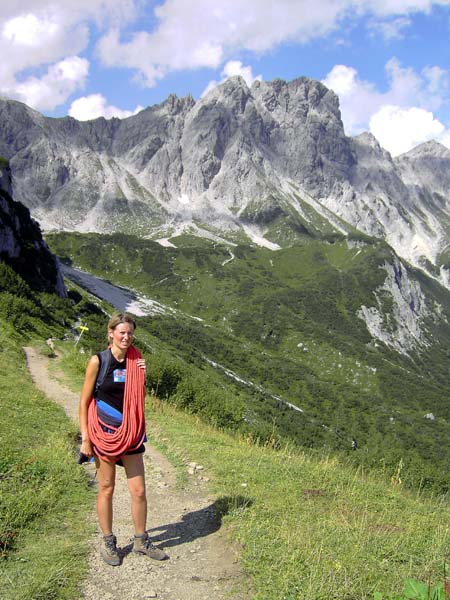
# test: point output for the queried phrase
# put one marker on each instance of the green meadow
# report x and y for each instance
(313, 519)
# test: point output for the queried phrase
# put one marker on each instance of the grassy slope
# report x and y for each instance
(310, 526)
(43, 493)
(286, 322)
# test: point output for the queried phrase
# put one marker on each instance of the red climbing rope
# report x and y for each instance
(131, 433)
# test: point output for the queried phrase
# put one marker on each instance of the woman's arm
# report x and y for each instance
(85, 399)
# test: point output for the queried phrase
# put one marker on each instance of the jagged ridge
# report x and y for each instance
(271, 163)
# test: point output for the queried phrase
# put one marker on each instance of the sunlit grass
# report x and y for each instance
(312, 528)
(309, 526)
(44, 497)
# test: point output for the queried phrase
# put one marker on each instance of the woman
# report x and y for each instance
(113, 431)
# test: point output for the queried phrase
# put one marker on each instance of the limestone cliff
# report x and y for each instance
(21, 243)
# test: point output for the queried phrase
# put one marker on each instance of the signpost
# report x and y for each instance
(82, 329)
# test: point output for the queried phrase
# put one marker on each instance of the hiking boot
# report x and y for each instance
(109, 552)
(143, 545)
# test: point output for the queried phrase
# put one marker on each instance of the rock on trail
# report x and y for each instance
(203, 563)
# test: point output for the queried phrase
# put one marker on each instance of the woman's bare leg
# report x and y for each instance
(134, 468)
(106, 474)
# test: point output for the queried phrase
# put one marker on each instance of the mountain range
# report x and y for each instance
(268, 164)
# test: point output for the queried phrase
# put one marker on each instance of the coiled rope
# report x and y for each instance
(131, 432)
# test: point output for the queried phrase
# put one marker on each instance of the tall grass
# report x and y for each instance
(312, 528)
(44, 497)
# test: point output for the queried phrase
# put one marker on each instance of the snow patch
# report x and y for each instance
(143, 307)
(121, 298)
(184, 199)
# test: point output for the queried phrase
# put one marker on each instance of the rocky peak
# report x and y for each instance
(430, 149)
(234, 94)
(295, 99)
(238, 154)
(366, 143)
(374, 167)
(426, 171)
(174, 105)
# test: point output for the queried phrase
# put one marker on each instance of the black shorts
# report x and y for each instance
(139, 450)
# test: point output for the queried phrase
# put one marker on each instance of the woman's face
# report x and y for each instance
(122, 335)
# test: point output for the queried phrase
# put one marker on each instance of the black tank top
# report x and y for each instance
(112, 389)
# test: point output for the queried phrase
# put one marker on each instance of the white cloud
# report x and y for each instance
(444, 138)
(232, 68)
(94, 106)
(358, 99)
(192, 35)
(401, 117)
(198, 34)
(399, 129)
(173, 35)
(397, 7)
(437, 86)
(45, 36)
(28, 30)
(392, 29)
(32, 42)
(70, 11)
(155, 55)
(235, 67)
(53, 88)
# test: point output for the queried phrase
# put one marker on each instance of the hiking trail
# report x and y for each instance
(203, 565)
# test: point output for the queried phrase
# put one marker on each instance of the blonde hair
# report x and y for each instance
(118, 318)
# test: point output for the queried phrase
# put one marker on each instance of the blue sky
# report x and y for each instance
(388, 60)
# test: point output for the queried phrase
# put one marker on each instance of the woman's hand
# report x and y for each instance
(86, 448)
(141, 363)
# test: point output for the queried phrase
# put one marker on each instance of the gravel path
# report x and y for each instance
(203, 563)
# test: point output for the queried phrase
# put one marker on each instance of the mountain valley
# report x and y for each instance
(323, 343)
(296, 279)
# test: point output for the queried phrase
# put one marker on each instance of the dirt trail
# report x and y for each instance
(203, 564)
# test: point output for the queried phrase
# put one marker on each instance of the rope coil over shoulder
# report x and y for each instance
(131, 433)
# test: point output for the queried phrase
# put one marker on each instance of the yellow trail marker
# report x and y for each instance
(82, 328)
